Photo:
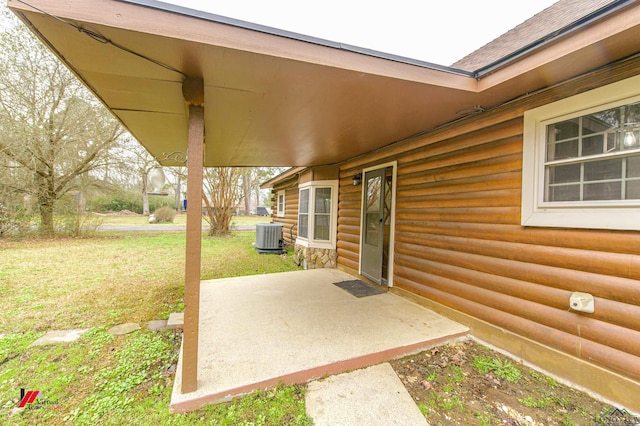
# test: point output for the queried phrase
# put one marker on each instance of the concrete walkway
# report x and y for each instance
(373, 396)
(295, 327)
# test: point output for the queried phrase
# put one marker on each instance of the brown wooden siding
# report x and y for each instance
(458, 239)
(290, 219)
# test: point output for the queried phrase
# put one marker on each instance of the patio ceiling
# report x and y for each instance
(279, 99)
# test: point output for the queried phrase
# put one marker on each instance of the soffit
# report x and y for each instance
(272, 100)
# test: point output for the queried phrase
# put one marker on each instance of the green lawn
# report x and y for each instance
(99, 282)
(181, 219)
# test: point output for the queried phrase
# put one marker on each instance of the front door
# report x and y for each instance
(373, 209)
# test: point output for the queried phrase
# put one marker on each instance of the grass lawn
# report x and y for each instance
(100, 282)
(180, 219)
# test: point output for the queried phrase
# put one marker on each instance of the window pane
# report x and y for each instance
(281, 203)
(303, 225)
(564, 193)
(323, 200)
(593, 145)
(563, 130)
(633, 167)
(373, 193)
(372, 231)
(601, 121)
(611, 141)
(602, 191)
(603, 170)
(321, 227)
(303, 216)
(630, 138)
(562, 150)
(564, 174)
(632, 113)
(304, 201)
(633, 190)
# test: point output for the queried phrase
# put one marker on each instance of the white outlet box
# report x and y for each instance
(582, 302)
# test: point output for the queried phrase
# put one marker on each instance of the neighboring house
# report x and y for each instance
(490, 191)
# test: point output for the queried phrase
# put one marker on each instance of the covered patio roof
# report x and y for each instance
(275, 98)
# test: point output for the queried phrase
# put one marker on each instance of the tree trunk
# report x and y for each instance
(246, 190)
(177, 195)
(145, 194)
(46, 200)
(46, 215)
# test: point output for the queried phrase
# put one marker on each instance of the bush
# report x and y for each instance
(131, 201)
(164, 214)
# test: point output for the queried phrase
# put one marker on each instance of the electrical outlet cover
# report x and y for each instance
(582, 302)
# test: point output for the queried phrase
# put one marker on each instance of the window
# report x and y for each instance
(303, 214)
(317, 214)
(581, 163)
(280, 201)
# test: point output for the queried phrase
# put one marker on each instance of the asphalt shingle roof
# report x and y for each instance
(551, 19)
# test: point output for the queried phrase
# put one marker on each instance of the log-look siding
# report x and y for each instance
(290, 219)
(458, 241)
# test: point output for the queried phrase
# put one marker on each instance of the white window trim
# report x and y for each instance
(623, 215)
(333, 231)
(279, 212)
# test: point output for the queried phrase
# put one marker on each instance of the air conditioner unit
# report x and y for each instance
(269, 238)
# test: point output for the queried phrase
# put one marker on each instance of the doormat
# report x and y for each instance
(359, 288)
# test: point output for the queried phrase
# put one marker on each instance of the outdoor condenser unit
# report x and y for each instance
(269, 238)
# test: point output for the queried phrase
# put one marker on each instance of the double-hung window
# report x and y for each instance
(581, 163)
(280, 212)
(317, 214)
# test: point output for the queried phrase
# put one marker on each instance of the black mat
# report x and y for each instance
(359, 288)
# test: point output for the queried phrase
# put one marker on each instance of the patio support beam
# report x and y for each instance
(193, 92)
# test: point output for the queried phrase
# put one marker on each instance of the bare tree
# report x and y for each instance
(136, 163)
(221, 195)
(51, 127)
(247, 188)
(252, 177)
(180, 176)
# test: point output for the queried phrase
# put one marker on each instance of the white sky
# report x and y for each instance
(440, 31)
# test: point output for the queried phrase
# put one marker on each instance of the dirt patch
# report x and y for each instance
(465, 383)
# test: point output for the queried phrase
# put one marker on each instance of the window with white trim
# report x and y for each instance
(317, 214)
(581, 160)
(280, 203)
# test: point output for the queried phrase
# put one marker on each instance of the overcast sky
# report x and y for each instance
(440, 32)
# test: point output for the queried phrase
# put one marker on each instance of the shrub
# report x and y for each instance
(164, 214)
(116, 202)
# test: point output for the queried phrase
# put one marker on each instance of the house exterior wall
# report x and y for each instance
(308, 257)
(459, 242)
(290, 219)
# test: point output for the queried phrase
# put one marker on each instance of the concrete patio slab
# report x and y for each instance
(297, 326)
(371, 396)
(59, 336)
(175, 320)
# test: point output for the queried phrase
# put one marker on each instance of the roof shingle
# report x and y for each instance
(551, 19)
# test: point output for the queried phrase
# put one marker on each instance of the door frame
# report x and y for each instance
(394, 178)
